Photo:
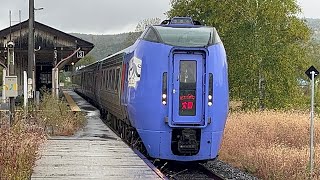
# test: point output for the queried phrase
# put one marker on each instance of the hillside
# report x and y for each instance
(108, 44)
(314, 24)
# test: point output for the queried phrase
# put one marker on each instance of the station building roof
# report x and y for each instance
(47, 41)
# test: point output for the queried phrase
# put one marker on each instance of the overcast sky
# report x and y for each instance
(102, 16)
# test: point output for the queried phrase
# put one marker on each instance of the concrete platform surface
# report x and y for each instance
(93, 153)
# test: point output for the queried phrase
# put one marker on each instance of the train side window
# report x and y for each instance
(101, 82)
(113, 79)
(105, 79)
(85, 80)
(110, 79)
(117, 79)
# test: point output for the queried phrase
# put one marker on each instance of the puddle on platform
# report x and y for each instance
(104, 136)
(88, 108)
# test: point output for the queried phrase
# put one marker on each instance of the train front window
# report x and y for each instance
(188, 85)
(187, 37)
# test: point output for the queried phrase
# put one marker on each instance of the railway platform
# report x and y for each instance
(95, 152)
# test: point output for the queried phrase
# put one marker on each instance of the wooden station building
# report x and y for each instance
(53, 49)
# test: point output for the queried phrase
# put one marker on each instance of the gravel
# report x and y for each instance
(227, 171)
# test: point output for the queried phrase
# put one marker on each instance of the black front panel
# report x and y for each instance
(185, 142)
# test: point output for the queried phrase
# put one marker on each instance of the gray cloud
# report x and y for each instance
(87, 16)
(102, 16)
(310, 8)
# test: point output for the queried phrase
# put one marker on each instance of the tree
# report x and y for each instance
(141, 26)
(264, 41)
(131, 39)
(88, 59)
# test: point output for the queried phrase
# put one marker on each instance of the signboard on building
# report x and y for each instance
(80, 54)
(11, 86)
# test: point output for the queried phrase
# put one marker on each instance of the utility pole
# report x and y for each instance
(31, 47)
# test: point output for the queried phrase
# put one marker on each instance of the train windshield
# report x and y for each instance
(187, 37)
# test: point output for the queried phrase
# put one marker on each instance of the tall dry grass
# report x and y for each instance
(18, 147)
(55, 116)
(19, 144)
(271, 145)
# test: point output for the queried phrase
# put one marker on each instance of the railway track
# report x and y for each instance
(182, 171)
(167, 169)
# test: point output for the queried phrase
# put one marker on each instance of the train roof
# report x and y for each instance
(181, 22)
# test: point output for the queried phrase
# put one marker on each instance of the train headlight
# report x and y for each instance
(164, 96)
(164, 88)
(209, 103)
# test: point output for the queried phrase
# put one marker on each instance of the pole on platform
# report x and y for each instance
(31, 45)
(3, 88)
(57, 82)
(53, 82)
(25, 90)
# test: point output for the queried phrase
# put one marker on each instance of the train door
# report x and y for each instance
(187, 92)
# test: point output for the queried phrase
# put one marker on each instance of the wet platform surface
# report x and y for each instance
(93, 153)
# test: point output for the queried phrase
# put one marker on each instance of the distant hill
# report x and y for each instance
(314, 24)
(108, 44)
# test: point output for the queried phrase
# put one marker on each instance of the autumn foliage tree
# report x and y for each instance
(265, 43)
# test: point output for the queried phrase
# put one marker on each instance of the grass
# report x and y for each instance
(19, 143)
(55, 116)
(271, 145)
(18, 147)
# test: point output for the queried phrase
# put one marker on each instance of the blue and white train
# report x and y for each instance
(170, 87)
